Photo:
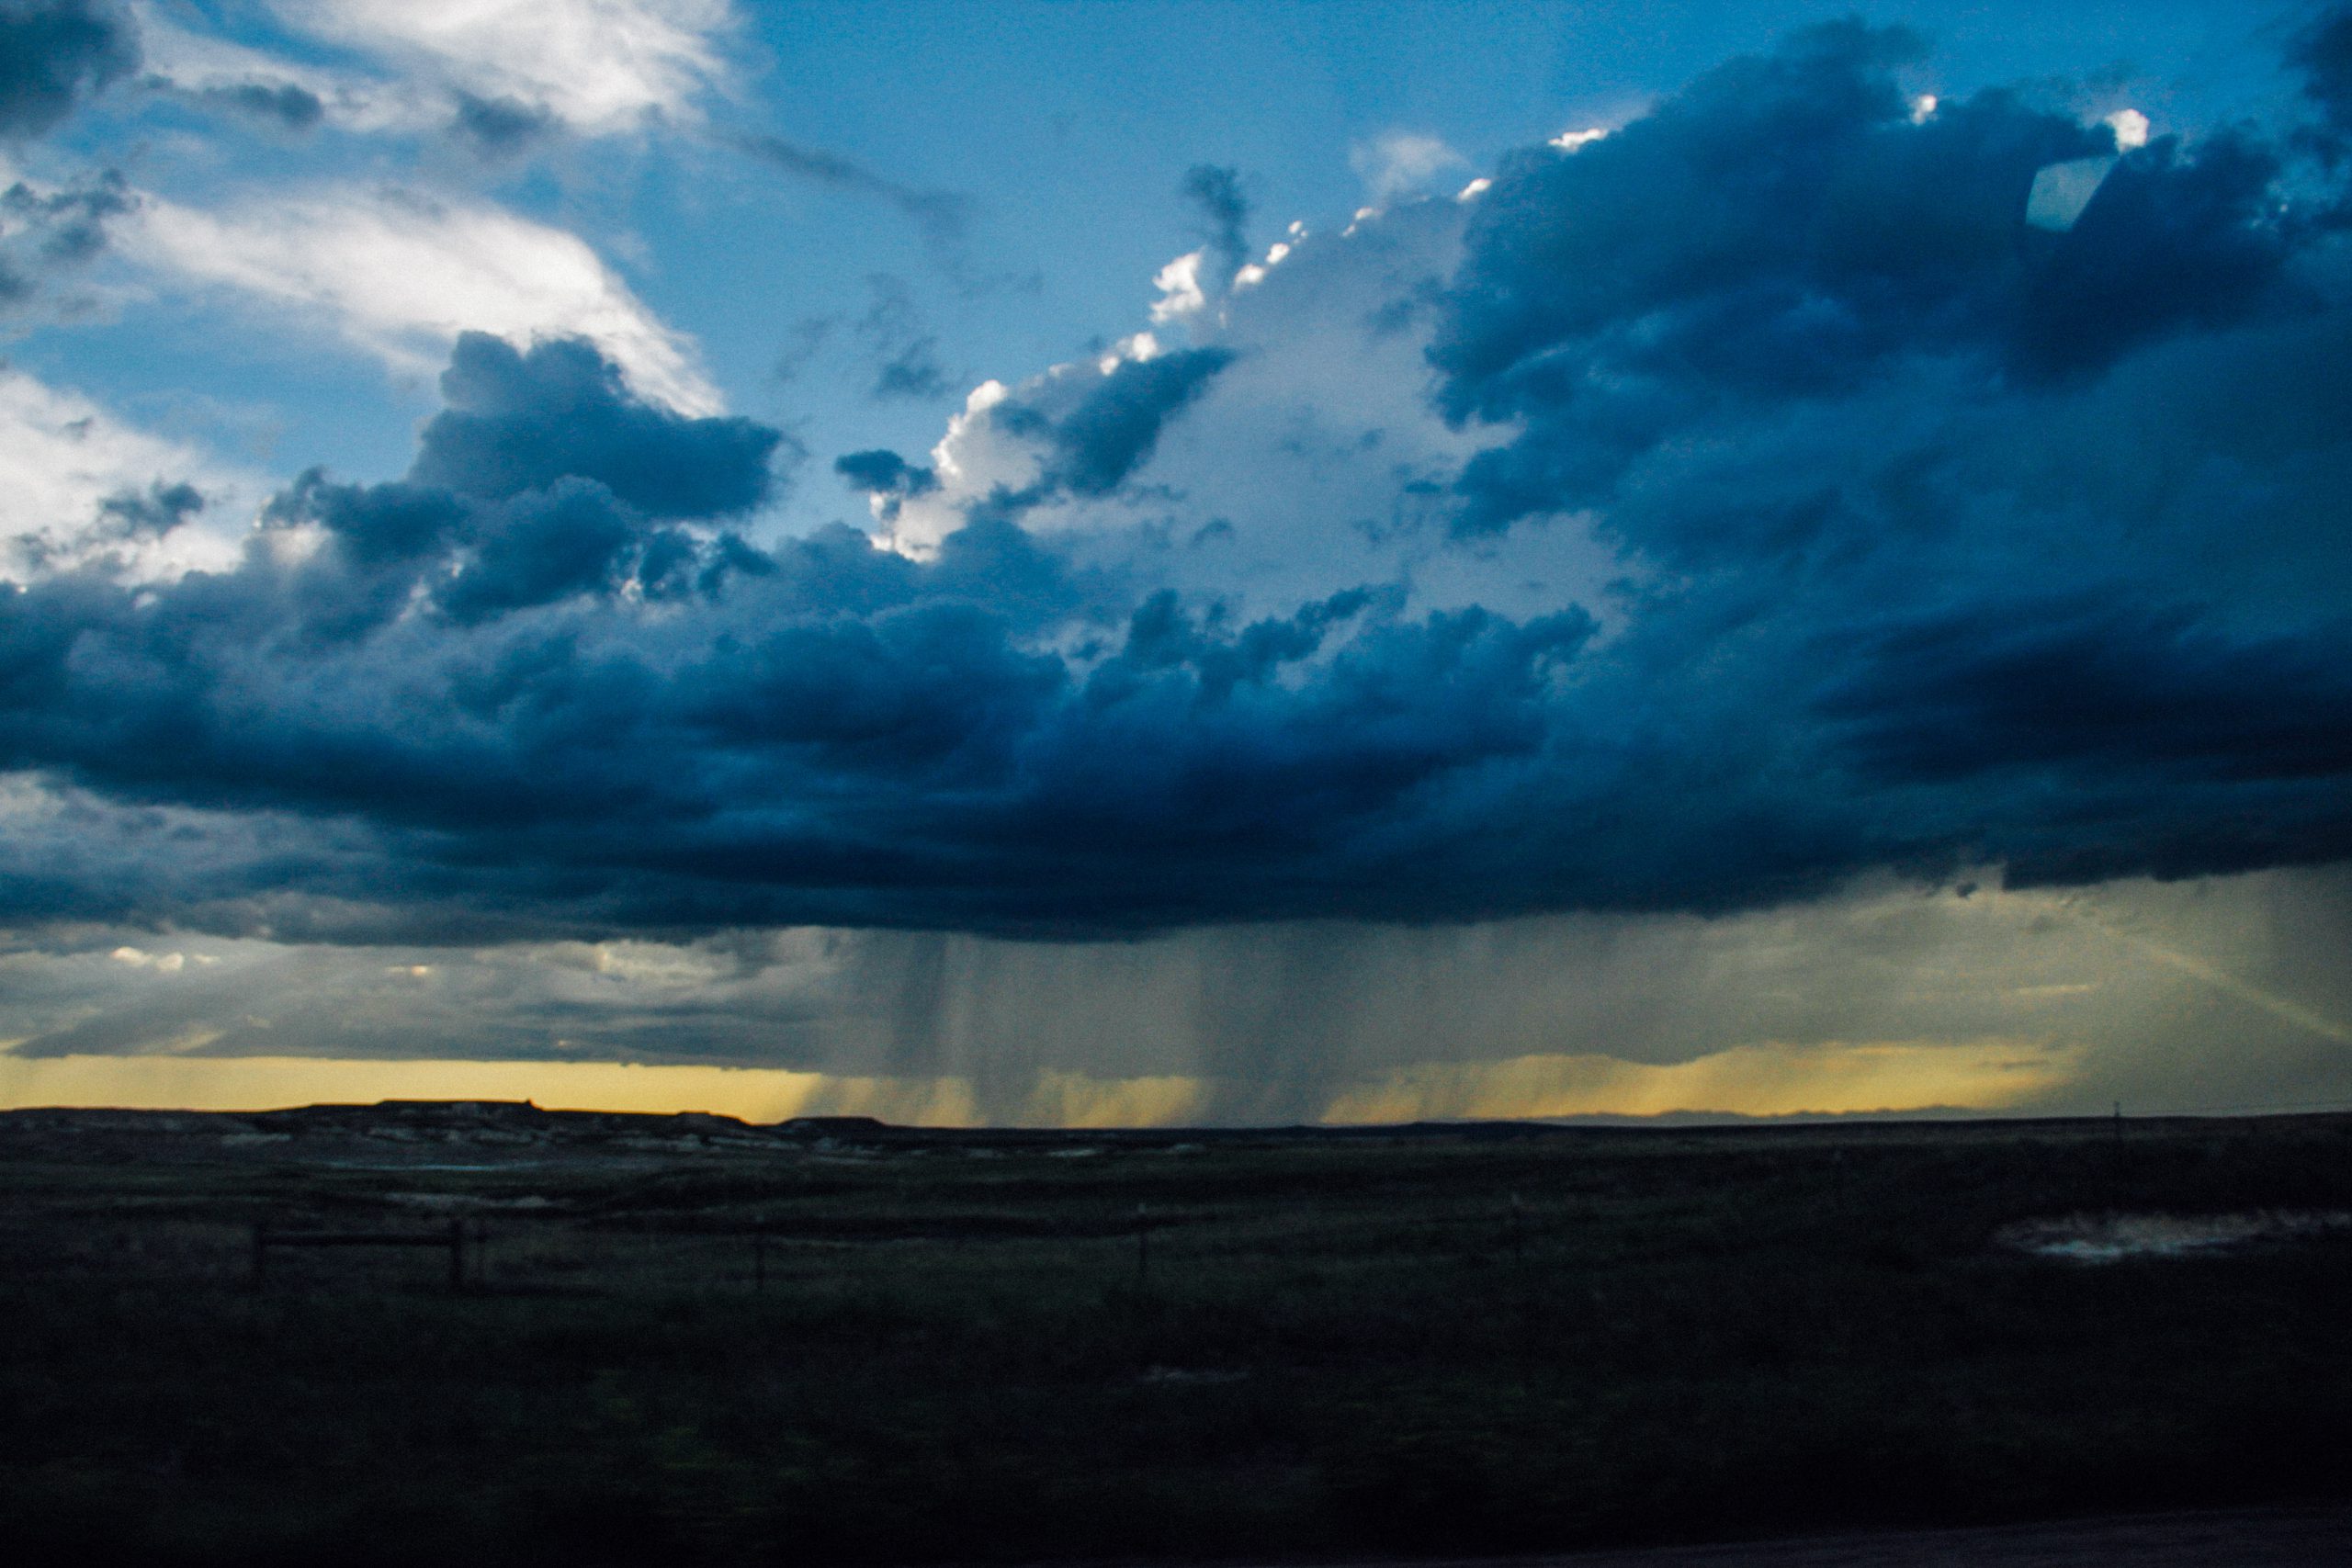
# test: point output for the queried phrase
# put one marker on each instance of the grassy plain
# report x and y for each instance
(1442, 1341)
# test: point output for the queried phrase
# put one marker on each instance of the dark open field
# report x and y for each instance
(1344, 1345)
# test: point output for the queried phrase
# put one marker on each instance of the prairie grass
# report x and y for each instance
(1341, 1346)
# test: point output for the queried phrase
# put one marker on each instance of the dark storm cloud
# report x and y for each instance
(2212, 753)
(519, 420)
(2137, 693)
(1941, 542)
(541, 479)
(884, 473)
(1098, 443)
(53, 53)
(886, 476)
(2170, 242)
(1088, 442)
(2323, 56)
(1784, 230)
(840, 735)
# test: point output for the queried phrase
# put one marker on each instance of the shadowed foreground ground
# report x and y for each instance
(688, 1339)
(2246, 1537)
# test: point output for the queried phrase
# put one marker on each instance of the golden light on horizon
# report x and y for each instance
(1748, 1081)
(1757, 1080)
(1076, 1099)
(260, 1083)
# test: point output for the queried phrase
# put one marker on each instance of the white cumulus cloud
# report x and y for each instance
(1180, 287)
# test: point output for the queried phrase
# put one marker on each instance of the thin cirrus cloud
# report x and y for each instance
(495, 73)
(599, 65)
(401, 274)
(269, 88)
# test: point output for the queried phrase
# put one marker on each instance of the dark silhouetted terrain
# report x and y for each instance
(688, 1338)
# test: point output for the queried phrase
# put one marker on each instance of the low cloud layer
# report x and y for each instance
(1696, 518)
(1890, 998)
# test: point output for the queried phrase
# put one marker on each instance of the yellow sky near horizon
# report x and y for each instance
(1758, 1080)
(2214, 995)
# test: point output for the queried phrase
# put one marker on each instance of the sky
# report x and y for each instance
(1153, 563)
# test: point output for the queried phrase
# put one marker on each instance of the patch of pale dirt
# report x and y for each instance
(2111, 1238)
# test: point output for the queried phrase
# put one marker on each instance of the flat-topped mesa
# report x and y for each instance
(834, 1127)
(418, 1113)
